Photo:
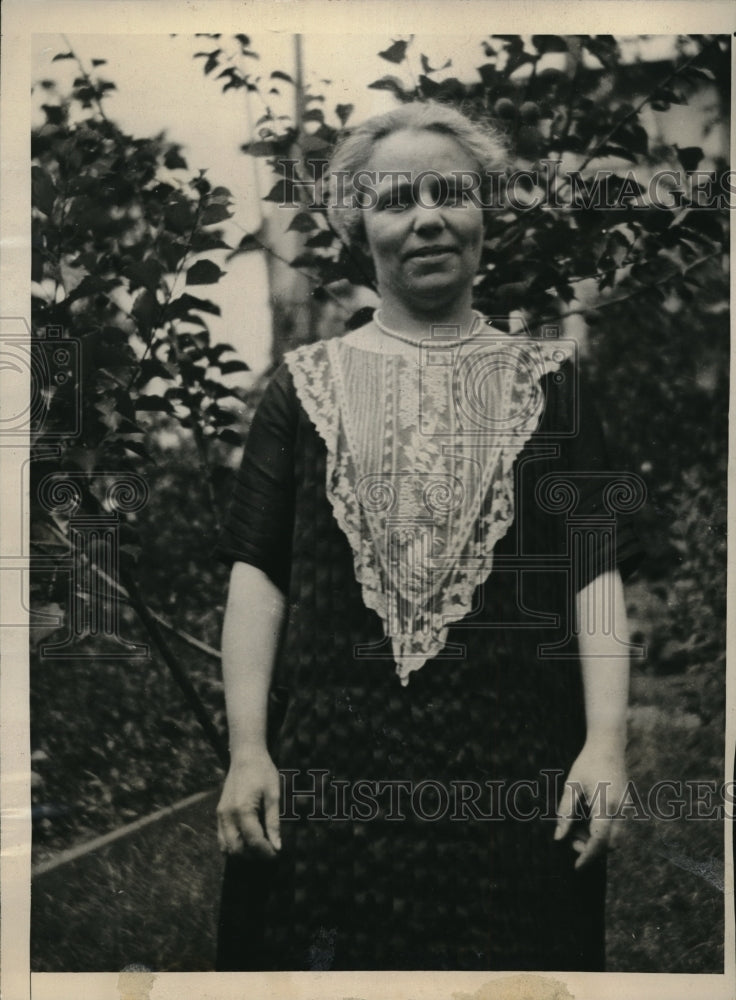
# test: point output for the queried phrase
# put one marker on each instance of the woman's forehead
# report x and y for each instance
(418, 150)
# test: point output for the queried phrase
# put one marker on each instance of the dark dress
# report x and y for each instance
(454, 865)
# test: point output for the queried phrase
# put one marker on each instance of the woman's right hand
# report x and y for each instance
(248, 810)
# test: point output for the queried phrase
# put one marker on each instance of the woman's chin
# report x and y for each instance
(437, 287)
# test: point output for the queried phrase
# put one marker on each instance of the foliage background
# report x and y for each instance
(128, 256)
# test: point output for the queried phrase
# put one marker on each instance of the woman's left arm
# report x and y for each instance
(599, 772)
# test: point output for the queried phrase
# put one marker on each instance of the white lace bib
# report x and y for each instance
(420, 455)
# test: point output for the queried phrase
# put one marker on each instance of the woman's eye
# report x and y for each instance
(444, 196)
(394, 202)
(455, 196)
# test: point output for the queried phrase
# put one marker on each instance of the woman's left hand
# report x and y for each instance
(588, 806)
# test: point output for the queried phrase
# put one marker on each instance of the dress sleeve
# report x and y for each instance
(603, 498)
(258, 525)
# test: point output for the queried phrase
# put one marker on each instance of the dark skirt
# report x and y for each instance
(419, 835)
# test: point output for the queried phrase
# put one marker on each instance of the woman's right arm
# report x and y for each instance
(248, 811)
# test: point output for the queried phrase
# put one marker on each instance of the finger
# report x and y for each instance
(228, 834)
(253, 834)
(596, 845)
(271, 819)
(579, 844)
(566, 810)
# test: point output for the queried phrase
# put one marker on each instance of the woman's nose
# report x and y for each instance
(428, 218)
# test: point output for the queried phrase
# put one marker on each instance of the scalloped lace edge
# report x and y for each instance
(306, 365)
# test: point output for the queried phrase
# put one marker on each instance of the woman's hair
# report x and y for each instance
(354, 150)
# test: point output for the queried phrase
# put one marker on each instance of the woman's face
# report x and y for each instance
(424, 236)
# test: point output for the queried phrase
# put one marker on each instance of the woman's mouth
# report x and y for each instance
(426, 253)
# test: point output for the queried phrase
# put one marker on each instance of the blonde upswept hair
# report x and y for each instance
(354, 150)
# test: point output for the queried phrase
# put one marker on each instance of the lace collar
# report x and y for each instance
(420, 457)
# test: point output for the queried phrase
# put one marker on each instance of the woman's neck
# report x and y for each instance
(378, 337)
(456, 319)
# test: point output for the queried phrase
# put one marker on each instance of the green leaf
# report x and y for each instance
(145, 309)
(429, 87)
(234, 83)
(689, 157)
(264, 147)
(314, 115)
(392, 83)
(99, 62)
(634, 137)
(55, 113)
(43, 190)
(179, 215)
(344, 111)
(215, 389)
(704, 221)
(279, 75)
(230, 436)
(427, 68)
(306, 260)
(230, 367)
(138, 449)
(151, 368)
(220, 416)
(700, 71)
(517, 59)
(171, 251)
(488, 74)
(667, 95)
(216, 352)
(315, 143)
(144, 274)
(178, 308)
(283, 193)
(62, 55)
(204, 272)
(36, 265)
(604, 48)
(215, 213)
(202, 241)
(153, 404)
(173, 159)
(324, 238)
(85, 95)
(396, 53)
(549, 43)
(246, 245)
(618, 248)
(302, 222)
(212, 61)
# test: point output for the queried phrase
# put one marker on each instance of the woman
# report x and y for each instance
(415, 634)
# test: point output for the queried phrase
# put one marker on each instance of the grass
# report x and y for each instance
(150, 899)
(665, 906)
